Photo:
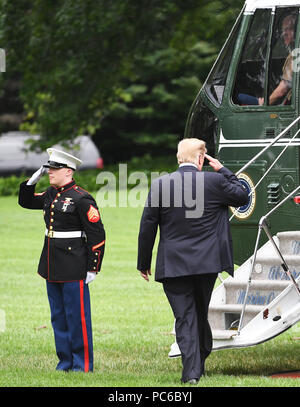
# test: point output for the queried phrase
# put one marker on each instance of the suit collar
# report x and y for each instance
(188, 168)
(188, 164)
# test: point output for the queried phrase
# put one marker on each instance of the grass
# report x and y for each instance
(132, 319)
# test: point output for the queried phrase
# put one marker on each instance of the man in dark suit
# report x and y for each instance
(191, 209)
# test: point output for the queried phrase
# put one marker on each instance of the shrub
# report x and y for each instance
(87, 178)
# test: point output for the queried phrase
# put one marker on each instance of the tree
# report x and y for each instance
(72, 55)
(150, 113)
(78, 60)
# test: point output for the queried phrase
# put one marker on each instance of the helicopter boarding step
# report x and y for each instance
(272, 303)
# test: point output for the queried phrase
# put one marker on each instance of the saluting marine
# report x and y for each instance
(71, 257)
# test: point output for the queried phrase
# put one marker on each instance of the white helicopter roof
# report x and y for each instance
(252, 5)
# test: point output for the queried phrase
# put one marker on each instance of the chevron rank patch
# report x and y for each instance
(93, 214)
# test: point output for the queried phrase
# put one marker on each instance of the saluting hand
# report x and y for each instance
(145, 274)
(37, 176)
(214, 163)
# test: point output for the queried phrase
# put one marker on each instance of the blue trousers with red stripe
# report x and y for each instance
(71, 322)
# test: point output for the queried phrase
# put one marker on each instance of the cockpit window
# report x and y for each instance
(281, 61)
(250, 80)
(216, 81)
(203, 124)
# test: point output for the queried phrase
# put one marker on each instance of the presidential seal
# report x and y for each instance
(245, 211)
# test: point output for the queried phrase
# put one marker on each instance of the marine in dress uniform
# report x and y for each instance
(192, 250)
(71, 257)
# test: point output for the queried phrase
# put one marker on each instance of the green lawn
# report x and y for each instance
(131, 319)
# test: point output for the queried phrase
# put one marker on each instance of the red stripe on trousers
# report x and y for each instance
(84, 331)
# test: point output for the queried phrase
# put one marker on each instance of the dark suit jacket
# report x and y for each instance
(190, 242)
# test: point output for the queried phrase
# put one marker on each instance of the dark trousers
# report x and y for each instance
(71, 322)
(189, 298)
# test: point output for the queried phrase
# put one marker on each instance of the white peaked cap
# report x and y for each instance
(61, 159)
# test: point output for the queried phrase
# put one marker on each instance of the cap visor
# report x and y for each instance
(57, 166)
(51, 166)
(54, 165)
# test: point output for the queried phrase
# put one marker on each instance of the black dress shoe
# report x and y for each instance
(193, 381)
(190, 381)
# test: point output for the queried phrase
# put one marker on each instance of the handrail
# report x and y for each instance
(268, 170)
(268, 146)
(263, 225)
(262, 222)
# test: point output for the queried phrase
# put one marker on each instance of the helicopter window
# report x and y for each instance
(281, 61)
(203, 124)
(216, 81)
(250, 79)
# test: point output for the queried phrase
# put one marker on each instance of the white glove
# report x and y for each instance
(90, 276)
(36, 176)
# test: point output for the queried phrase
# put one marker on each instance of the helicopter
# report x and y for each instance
(248, 113)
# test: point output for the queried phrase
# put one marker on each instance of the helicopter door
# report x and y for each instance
(261, 101)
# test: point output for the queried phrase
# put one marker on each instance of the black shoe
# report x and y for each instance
(193, 381)
(190, 381)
